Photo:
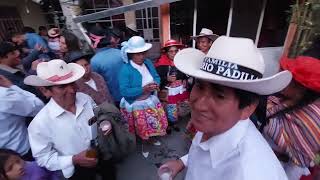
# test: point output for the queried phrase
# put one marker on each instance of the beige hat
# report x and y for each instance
(206, 33)
(55, 72)
(232, 62)
(54, 32)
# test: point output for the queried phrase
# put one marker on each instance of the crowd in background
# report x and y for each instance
(50, 85)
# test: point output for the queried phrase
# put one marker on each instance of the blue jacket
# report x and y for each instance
(107, 62)
(33, 39)
(130, 80)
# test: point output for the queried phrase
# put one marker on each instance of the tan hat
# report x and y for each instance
(206, 33)
(54, 32)
(55, 72)
(232, 62)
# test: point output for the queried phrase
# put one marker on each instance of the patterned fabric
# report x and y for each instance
(146, 118)
(99, 96)
(172, 112)
(296, 133)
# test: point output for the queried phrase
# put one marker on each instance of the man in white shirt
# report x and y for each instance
(229, 80)
(61, 132)
(205, 39)
(15, 105)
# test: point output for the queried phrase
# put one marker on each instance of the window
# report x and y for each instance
(10, 21)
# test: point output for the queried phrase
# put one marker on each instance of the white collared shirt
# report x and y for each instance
(145, 73)
(56, 135)
(241, 153)
(15, 105)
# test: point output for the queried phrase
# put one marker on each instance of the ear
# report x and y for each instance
(248, 110)
(46, 92)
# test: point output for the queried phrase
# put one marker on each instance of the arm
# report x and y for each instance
(20, 102)
(27, 61)
(125, 85)
(44, 152)
(153, 71)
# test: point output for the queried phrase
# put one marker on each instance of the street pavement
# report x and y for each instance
(173, 146)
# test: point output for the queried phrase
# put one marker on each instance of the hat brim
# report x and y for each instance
(77, 73)
(177, 45)
(212, 37)
(189, 62)
(146, 47)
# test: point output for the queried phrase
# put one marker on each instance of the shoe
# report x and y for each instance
(169, 130)
(157, 143)
(145, 154)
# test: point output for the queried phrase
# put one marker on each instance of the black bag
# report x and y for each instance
(120, 142)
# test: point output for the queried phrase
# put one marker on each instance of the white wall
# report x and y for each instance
(34, 18)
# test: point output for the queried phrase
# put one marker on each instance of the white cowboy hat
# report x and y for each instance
(55, 72)
(136, 44)
(232, 62)
(54, 32)
(206, 33)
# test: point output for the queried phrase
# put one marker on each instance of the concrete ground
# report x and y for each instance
(137, 167)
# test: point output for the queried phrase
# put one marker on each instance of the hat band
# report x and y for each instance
(57, 78)
(229, 70)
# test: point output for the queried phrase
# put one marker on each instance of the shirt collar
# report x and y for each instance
(8, 68)
(56, 110)
(222, 145)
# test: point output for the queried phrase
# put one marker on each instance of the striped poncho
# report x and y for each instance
(295, 133)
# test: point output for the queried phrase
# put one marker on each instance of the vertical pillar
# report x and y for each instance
(165, 22)
(130, 16)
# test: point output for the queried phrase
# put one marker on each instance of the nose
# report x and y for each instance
(71, 88)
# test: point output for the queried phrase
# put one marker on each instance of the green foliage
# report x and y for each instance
(306, 14)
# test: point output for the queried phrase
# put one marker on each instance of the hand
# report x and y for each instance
(175, 165)
(35, 63)
(105, 127)
(4, 82)
(150, 87)
(171, 78)
(83, 161)
(38, 47)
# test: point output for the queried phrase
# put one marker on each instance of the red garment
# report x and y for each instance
(305, 70)
(164, 61)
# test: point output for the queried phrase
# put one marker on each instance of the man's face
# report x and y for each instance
(14, 167)
(18, 39)
(204, 44)
(12, 59)
(64, 95)
(215, 108)
(114, 41)
(85, 64)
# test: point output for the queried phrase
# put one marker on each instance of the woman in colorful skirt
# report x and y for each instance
(173, 82)
(293, 128)
(139, 83)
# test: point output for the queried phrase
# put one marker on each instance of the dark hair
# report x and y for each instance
(246, 98)
(4, 156)
(28, 29)
(42, 28)
(15, 33)
(5, 48)
(72, 41)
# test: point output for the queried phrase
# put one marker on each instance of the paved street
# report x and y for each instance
(136, 167)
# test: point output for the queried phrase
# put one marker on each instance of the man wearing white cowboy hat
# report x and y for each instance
(229, 80)
(61, 132)
(205, 39)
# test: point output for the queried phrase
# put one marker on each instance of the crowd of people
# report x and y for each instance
(51, 85)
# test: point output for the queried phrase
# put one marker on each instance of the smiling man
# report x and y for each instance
(227, 145)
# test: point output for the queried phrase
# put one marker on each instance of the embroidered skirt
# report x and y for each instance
(176, 95)
(146, 118)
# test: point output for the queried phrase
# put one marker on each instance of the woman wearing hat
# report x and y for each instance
(173, 82)
(139, 82)
(293, 129)
(54, 41)
(91, 83)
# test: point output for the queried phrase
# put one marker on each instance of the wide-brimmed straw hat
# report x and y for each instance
(55, 72)
(171, 43)
(136, 44)
(54, 32)
(206, 33)
(232, 62)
